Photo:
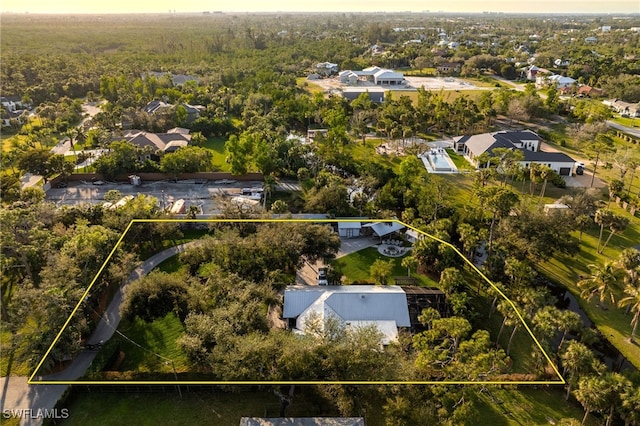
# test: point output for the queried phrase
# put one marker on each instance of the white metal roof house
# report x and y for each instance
(354, 305)
(379, 76)
(558, 80)
(382, 229)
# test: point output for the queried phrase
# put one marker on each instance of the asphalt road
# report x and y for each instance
(632, 131)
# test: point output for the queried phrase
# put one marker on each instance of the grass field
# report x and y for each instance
(459, 160)
(194, 408)
(216, 144)
(355, 267)
(627, 121)
(448, 95)
(506, 406)
(367, 153)
(308, 86)
(612, 322)
(154, 342)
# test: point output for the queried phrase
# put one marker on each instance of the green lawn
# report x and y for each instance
(216, 144)
(448, 95)
(355, 267)
(612, 322)
(627, 121)
(156, 338)
(194, 408)
(308, 85)
(527, 406)
(367, 153)
(459, 160)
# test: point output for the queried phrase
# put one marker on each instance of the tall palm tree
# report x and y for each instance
(576, 361)
(603, 218)
(268, 187)
(633, 301)
(545, 173)
(591, 394)
(630, 405)
(617, 224)
(600, 282)
(629, 261)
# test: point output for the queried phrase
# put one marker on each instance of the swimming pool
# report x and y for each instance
(440, 161)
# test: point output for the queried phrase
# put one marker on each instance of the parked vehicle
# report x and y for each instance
(322, 276)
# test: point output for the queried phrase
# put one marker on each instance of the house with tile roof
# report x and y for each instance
(165, 142)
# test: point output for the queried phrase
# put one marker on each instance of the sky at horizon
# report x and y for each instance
(458, 6)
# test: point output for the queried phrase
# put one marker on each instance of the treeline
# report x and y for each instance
(50, 256)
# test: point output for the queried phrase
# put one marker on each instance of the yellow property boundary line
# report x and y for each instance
(31, 381)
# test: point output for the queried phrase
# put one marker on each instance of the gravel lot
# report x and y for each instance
(199, 194)
(429, 83)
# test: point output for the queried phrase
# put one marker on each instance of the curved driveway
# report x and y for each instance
(17, 394)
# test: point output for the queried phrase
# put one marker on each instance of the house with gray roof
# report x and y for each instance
(376, 75)
(472, 146)
(385, 307)
(165, 142)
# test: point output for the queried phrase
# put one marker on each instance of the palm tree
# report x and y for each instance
(591, 394)
(583, 222)
(577, 360)
(268, 187)
(409, 262)
(629, 261)
(633, 301)
(600, 282)
(630, 405)
(568, 321)
(603, 218)
(617, 224)
(545, 173)
(71, 134)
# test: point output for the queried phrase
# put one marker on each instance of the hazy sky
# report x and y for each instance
(164, 6)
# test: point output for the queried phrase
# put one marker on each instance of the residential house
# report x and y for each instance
(375, 75)
(533, 72)
(559, 81)
(348, 77)
(12, 103)
(448, 68)
(13, 109)
(589, 91)
(526, 141)
(165, 142)
(326, 68)
(384, 307)
(193, 111)
(623, 108)
(156, 106)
